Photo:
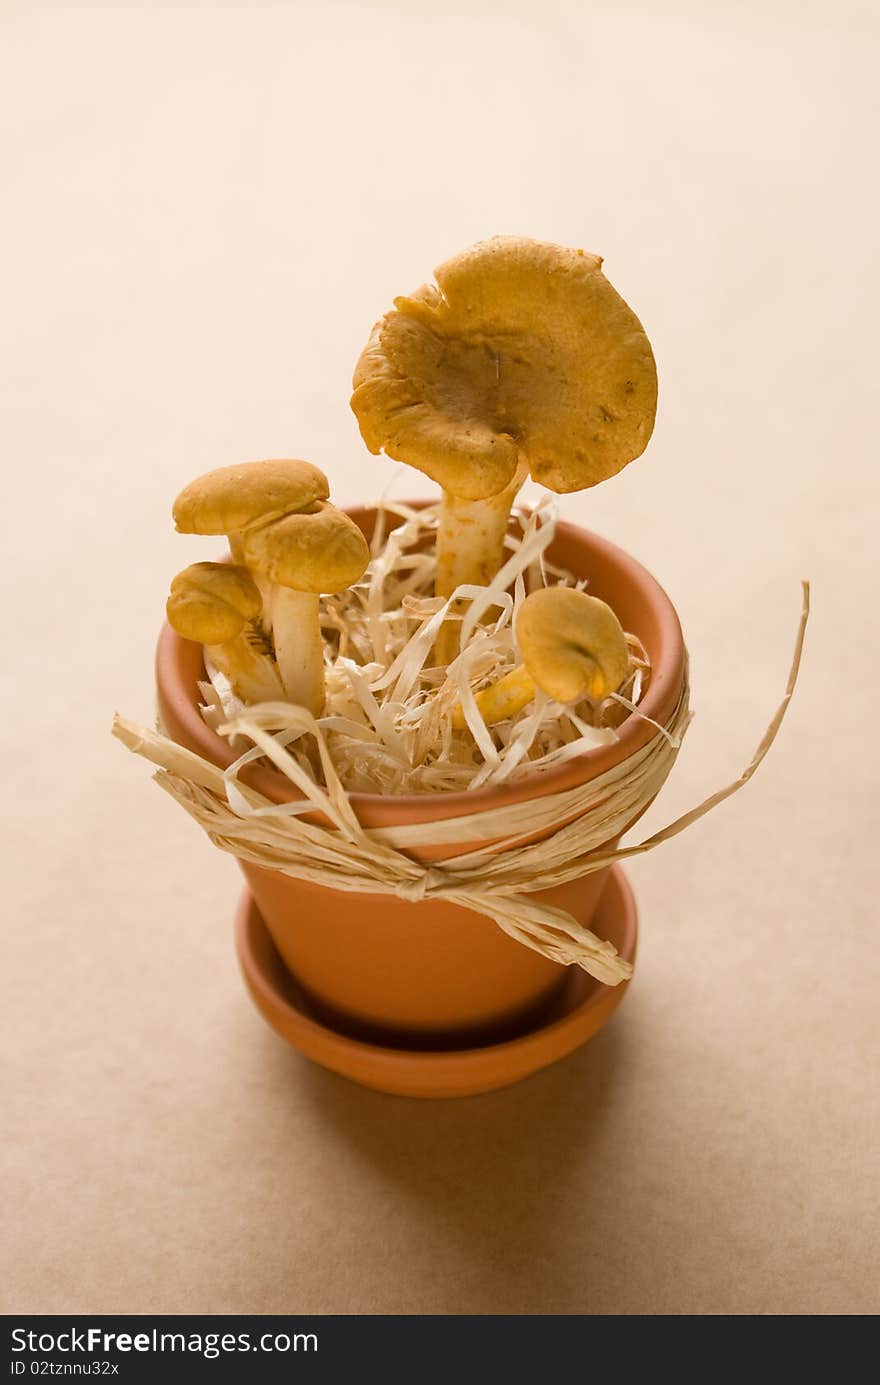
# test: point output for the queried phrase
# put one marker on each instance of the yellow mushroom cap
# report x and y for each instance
(573, 644)
(232, 498)
(317, 550)
(210, 602)
(522, 349)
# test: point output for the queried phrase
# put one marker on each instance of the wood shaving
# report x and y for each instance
(387, 722)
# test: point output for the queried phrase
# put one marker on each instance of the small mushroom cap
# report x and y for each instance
(232, 498)
(573, 644)
(210, 602)
(521, 348)
(317, 550)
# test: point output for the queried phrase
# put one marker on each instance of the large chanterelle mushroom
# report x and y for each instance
(522, 357)
(296, 546)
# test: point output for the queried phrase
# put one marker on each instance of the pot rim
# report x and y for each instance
(177, 676)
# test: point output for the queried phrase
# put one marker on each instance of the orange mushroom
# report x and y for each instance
(522, 358)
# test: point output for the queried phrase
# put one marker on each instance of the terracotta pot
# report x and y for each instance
(377, 966)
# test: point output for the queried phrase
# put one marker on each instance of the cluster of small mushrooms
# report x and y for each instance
(520, 359)
(258, 617)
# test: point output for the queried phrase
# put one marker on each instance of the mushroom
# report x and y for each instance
(232, 498)
(319, 549)
(296, 545)
(573, 646)
(215, 604)
(522, 358)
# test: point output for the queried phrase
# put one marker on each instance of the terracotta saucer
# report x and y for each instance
(578, 1011)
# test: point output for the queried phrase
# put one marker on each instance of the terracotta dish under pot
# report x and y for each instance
(379, 965)
(578, 1009)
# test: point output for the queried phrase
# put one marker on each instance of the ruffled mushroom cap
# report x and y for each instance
(521, 349)
(318, 550)
(232, 498)
(573, 644)
(212, 602)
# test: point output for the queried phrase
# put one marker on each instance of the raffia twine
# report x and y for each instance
(494, 881)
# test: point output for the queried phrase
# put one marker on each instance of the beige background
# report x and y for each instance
(206, 206)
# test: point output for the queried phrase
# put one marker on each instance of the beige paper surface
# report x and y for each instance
(207, 208)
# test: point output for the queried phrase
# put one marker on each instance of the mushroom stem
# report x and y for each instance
(514, 691)
(253, 675)
(299, 649)
(236, 548)
(503, 699)
(470, 549)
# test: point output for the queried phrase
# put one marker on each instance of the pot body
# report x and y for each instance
(381, 967)
(404, 971)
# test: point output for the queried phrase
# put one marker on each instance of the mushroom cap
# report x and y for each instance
(232, 498)
(210, 602)
(317, 550)
(521, 348)
(573, 644)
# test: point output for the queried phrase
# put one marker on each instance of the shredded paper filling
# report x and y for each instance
(388, 717)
